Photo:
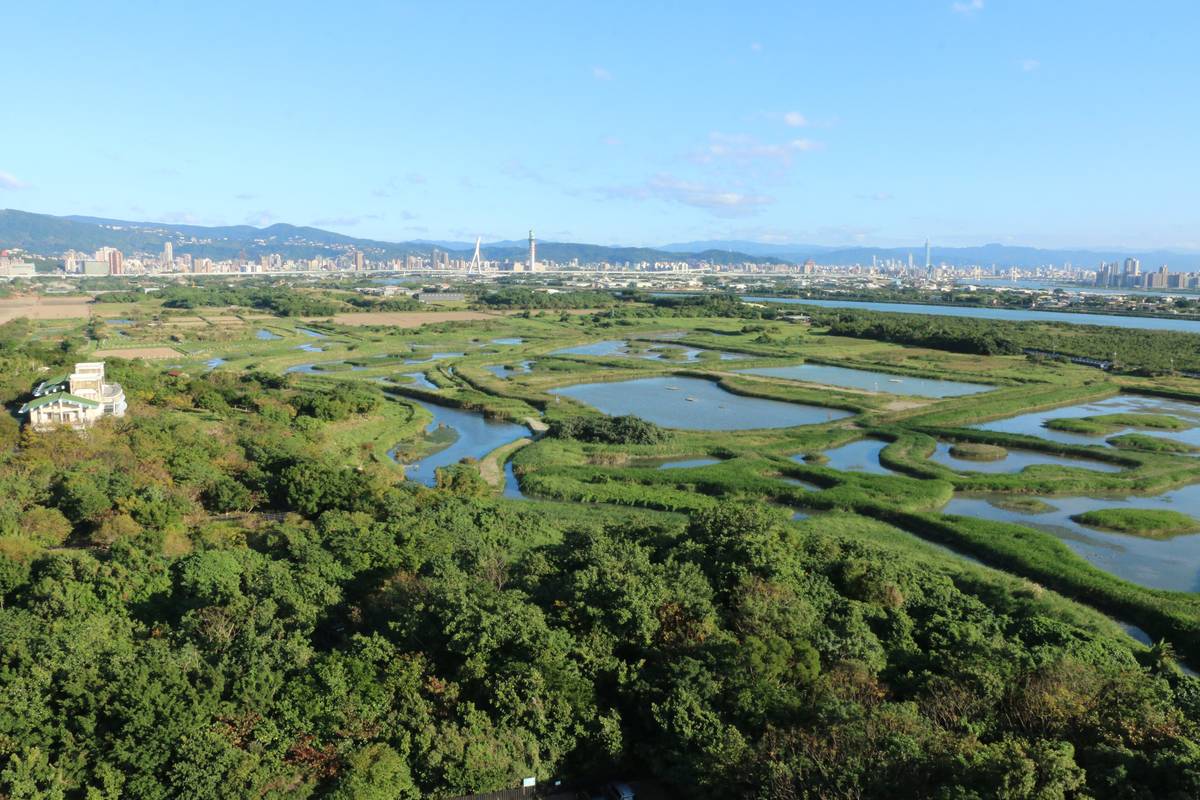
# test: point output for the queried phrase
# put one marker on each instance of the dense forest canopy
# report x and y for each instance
(1131, 349)
(283, 301)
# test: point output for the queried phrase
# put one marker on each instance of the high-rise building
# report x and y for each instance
(116, 262)
(168, 256)
(1158, 280)
(358, 261)
(532, 266)
(928, 256)
(1133, 267)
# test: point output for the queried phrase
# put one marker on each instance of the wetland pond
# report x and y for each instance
(652, 352)
(433, 357)
(503, 371)
(696, 404)
(1172, 563)
(1015, 461)
(474, 437)
(1032, 424)
(689, 463)
(870, 381)
(859, 456)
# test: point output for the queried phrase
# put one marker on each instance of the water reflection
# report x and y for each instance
(678, 402)
(689, 463)
(1015, 461)
(505, 372)
(653, 352)
(1032, 424)
(860, 456)
(1159, 564)
(871, 381)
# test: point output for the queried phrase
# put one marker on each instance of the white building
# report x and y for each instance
(77, 399)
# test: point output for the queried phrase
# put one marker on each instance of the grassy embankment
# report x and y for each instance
(1149, 522)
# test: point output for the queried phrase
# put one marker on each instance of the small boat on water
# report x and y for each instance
(895, 380)
(690, 399)
(672, 388)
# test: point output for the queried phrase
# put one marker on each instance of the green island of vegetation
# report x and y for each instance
(1153, 444)
(239, 589)
(977, 451)
(1027, 505)
(1140, 521)
(1102, 424)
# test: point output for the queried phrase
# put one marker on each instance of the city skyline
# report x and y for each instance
(966, 123)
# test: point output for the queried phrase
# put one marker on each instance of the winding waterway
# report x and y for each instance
(476, 437)
(1010, 314)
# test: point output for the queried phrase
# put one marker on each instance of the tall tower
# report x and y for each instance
(168, 257)
(928, 256)
(476, 264)
(532, 266)
(359, 263)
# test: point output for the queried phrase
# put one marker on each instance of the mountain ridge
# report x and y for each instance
(47, 234)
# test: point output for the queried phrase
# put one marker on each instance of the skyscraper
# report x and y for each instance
(168, 256)
(532, 266)
(928, 256)
(358, 261)
(116, 262)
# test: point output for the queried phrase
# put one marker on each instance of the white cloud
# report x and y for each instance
(967, 6)
(260, 219)
(601, 74)
(515, 168)
(1030, 64)
(342, 222)
(742, 149)
(10, 181)
(794, 119)
(181, 218)
(719, 201)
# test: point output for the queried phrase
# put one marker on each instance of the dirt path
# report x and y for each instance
(490, 468)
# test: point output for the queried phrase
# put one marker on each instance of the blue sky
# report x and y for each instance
(1043, 122)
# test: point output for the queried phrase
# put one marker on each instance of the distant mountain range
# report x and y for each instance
(984, 255)
(49, 235)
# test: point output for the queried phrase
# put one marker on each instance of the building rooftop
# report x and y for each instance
(56, 397)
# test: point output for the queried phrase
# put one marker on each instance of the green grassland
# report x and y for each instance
(1153, 523)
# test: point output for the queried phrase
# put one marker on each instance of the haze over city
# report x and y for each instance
(1061, 124)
